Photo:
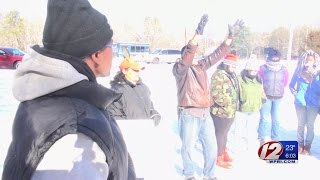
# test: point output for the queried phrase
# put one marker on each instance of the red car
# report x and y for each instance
(10, 57)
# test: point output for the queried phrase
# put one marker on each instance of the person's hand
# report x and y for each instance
(235, 28)
(202, 24)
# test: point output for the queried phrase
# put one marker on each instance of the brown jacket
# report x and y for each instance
(192, 80)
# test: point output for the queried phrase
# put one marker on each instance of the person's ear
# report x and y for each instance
(97, 56)
(91, 61)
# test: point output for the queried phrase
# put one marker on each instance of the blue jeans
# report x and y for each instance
(306, 118)
(197, 128)
(269, 120)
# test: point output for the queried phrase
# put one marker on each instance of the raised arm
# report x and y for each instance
(188, 51)
(224, 48)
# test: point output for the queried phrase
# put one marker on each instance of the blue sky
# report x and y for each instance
(176, 15)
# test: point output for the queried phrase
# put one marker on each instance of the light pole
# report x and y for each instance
(290, 42)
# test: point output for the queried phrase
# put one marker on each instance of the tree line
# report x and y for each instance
(15, 31)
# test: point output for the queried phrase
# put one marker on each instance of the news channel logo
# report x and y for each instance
(279, 152)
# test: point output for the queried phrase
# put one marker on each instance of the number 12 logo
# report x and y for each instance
(270, 150)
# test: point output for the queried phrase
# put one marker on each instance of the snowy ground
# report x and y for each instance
(156, 150)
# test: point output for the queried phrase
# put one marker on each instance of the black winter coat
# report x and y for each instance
(135, 102)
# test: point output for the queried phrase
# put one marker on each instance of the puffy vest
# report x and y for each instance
(41, 122)
(273, 82)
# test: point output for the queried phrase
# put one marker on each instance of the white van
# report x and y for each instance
(164, 56)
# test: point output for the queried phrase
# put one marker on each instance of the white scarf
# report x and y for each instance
(274, 65)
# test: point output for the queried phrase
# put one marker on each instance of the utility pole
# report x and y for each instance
(290, 42)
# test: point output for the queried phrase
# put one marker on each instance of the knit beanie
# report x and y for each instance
(231, 60)
(273, 55)
(75, 28)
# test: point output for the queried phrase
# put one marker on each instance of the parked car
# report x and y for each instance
(164, 56)
(10, 57)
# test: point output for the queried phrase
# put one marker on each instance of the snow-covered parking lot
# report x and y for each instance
(156, 150)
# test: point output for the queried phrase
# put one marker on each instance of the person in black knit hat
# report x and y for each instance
(75, 28)
(62, 129)
(274, 76)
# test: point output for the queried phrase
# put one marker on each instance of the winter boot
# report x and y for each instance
(300, 148)
(306, 150)
(226, 156)
(222, 163)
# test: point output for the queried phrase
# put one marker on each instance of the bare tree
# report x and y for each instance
(279, 40)
(313, 40)
(258, 42)
(33, 34)
(152, 31)
(13, 30)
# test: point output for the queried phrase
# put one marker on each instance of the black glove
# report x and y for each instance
(235, 28)
(202, 24)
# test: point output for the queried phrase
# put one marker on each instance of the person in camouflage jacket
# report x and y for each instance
(225, 91)
(225, 94)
